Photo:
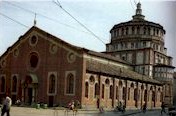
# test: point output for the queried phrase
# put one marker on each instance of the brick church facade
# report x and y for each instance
(41, 68)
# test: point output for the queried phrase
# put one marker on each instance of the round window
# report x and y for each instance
(71, 57)
(53, 48)
(92, 79)
(33, 40)
(107, 82)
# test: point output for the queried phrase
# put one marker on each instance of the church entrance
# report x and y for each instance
(29, 88)
(30, 96)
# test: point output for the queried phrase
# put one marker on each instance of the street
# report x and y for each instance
(23, 111)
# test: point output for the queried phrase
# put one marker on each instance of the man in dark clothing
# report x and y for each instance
(163, 108)
(6, 106)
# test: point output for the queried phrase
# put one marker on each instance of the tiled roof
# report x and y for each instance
(117, 72)
(107, 56)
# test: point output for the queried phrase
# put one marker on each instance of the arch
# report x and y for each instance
(14, 84)
(70, 84)
(52, 83)
(86, 89)
(33, 60)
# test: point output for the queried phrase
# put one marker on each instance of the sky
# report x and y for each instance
(99, 16)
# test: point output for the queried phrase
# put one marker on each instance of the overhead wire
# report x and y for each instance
(132, 5)
(39, 14)
(13, 20)
(58, 4)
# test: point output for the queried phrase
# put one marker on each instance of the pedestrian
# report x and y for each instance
(6, 106)
(98, 103)
(163, 108)
(144, 108)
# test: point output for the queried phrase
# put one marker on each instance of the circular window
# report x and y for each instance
(92, 79)
(53, 48)
(33, 40)
(3, 63)
(107, 82)
(34, 60)
(71, 57)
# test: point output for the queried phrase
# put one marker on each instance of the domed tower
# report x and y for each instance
(141, 43)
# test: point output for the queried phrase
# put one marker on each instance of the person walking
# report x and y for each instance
(6, 106)
(144, 108)
(163, 108)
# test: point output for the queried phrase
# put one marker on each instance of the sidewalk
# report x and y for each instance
(23, 111)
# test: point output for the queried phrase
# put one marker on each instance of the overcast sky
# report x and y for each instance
(97, 15)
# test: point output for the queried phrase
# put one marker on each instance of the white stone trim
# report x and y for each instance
(74, 76)
(17, 76)
(56, 76)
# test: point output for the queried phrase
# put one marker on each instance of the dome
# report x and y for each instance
(138, 21)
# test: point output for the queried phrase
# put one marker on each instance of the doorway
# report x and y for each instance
(51, 101)
(30, 96)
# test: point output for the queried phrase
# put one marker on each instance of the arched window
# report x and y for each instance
(124, 93)
(133, 30)
(52, 81)
(103, 91)
(117, 93)
(14, 84)
(161, 96)
(34, 60)
(144, 30)
(96, 90)
(154, 31)
(2, 84)
(86, 89)
(138, 30)
(122, 31)
(111, 92)
(153, 95)
(129, 92)
(149, 31)
(135, 94)
(145, 95)
(70, 84)
(127, 31)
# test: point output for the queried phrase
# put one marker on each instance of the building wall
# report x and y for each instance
(53, 58)
(130, 93)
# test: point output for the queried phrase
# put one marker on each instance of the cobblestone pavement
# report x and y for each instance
(23, 111)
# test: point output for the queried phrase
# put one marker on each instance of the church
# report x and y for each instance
(135, 69)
